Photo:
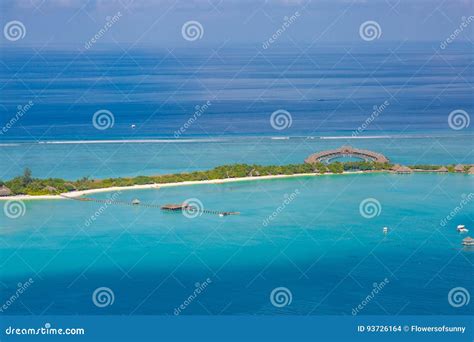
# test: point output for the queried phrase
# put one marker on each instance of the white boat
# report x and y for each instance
(462, 229)
(385, 230)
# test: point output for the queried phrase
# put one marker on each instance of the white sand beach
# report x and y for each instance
(158, 185)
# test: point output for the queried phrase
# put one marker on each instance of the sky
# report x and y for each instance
(160, 22)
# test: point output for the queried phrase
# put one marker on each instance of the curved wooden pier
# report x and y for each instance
(345, 151)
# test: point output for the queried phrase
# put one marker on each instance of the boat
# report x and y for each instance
(469, 241)
(136, 201)
(385, 230)
(462, 229)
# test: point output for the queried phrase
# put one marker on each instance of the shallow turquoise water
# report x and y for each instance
(318, 246)
(75, 161)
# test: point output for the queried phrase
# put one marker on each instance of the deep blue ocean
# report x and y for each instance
(328, 89)
(319, 246)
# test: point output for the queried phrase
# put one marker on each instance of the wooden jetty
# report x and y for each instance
(183, 206)
(176, 207)
(166, 207)
(346, 151)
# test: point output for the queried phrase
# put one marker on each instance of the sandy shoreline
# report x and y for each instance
(162, 185)
(212, 181)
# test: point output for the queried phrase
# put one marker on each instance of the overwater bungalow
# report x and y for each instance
(346, 151)
(469, 241)
(4, 191)
(173, 207)
(471, 170)
(443, 169)
(459, 168)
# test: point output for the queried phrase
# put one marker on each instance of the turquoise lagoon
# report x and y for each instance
(318, 246)
(163, 156)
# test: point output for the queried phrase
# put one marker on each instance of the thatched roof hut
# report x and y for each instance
(70, 186)
(50, 188)
(459, 168)
(471, 170)
(395, 167)
(4, 191)
(443, 169)
(401, 169)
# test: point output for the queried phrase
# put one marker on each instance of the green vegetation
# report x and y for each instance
(26, 184)
(426, 167)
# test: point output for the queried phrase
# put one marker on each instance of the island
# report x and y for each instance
(26, 186)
